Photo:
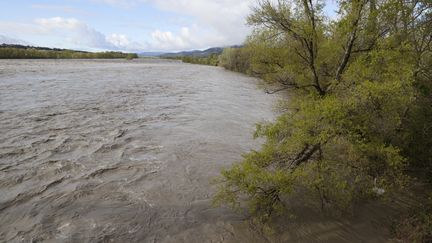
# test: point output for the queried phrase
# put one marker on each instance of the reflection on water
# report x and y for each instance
(113, 150)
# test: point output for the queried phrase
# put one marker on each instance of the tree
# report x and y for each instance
(235, 59)
(353, 83)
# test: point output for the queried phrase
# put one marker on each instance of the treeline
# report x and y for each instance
(232, 58)
(34, 53)
(358, 124)
(210, 60)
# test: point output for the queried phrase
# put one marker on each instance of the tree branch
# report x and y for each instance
(349, 45)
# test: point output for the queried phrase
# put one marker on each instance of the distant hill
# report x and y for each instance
(195, 53)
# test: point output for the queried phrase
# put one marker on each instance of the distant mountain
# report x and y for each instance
(11, 41)
(195, 53)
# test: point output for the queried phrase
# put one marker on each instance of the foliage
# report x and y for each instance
(235, 59)
(33, 53)
(130, 56)
(360, 101)
(211, 60)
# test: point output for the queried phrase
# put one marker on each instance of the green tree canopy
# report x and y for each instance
(359, 87)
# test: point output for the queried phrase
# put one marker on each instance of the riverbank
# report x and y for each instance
(31, 52)
(404, 216)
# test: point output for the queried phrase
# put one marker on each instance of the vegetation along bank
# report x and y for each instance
(358, 125)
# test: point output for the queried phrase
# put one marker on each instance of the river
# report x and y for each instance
(122, 151)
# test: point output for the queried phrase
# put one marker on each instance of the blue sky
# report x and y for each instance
(127, 25)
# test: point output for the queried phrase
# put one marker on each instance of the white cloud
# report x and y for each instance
(185, 39)
(118, 40)
(166, 40)
(224, 21)
(81, 34)
(214, 23)
(209, 23)
(75, 32)
(217, 22)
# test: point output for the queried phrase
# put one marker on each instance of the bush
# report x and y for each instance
(235, 59)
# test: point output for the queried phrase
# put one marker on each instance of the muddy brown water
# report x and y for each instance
(125, 151)
(121, 151)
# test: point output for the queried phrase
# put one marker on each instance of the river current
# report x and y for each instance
(122, 151)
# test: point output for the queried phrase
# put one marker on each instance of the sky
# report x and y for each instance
(127, 25)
